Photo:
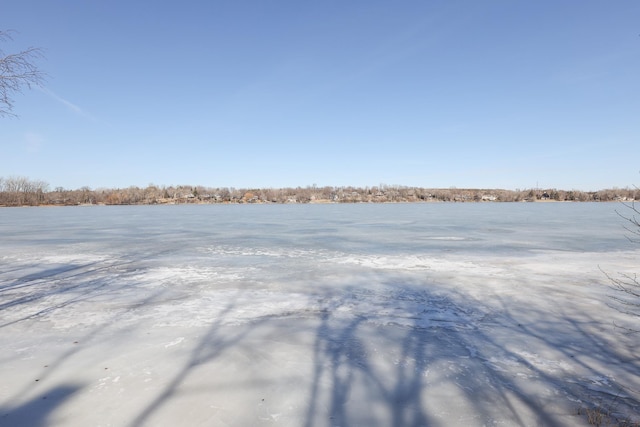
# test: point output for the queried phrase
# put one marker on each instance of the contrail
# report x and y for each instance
(70, 105)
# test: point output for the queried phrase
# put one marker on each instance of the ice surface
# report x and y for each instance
(400, 315)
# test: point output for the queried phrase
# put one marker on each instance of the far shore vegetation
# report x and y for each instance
(21, 191)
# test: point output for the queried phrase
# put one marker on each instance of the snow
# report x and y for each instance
(278, 333)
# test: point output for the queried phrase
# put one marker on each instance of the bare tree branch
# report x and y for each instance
(17, 71)
(627, 286)
(633, 221)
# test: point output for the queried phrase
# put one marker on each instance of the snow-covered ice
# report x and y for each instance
(332, 315)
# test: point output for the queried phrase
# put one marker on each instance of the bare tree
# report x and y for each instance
(17, 71)
(627, 286)
(18, 191)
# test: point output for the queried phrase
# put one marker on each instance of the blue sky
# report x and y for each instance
(432, 93)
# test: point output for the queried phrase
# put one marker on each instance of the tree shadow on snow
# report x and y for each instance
(211, 345)
(420, 368)
(38, 411)
(52, 288)
(397, 353)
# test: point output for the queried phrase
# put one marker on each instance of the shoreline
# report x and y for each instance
(24, 192)
(312, 202)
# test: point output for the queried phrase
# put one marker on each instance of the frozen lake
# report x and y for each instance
(314, 315)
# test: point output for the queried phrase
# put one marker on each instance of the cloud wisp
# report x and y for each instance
(70, 105)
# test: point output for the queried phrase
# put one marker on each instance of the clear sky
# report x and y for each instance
(275, 93)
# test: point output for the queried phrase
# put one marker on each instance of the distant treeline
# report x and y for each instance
(25, 192)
